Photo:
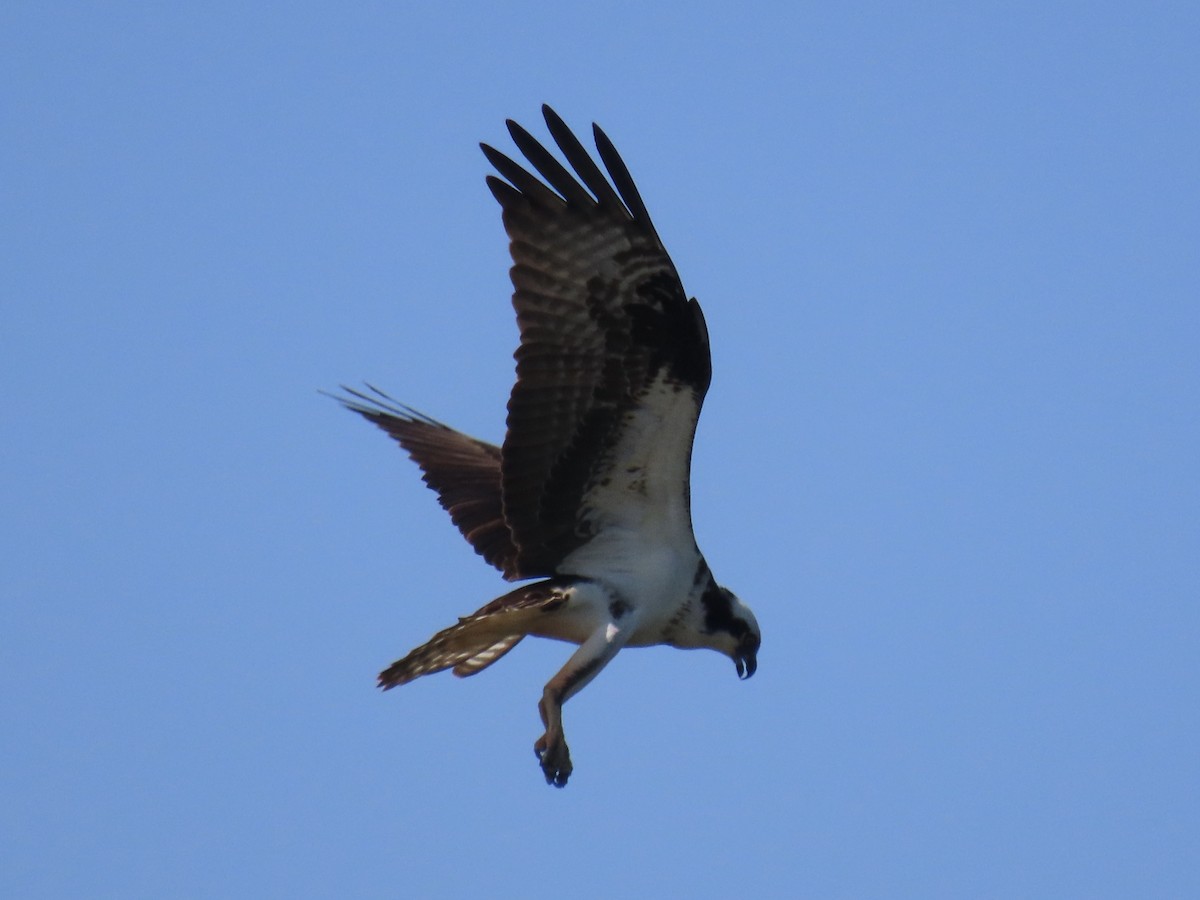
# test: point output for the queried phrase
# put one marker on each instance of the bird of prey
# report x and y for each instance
(589, 493)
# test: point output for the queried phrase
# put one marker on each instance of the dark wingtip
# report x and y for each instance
(516, 131)
(365, 404)
(552, 118)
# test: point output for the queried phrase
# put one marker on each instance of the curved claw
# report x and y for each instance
(555, 760)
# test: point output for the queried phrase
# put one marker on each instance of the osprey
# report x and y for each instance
(589, 492)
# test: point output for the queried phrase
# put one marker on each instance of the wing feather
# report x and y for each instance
(582, 162)
(603, 317)
(622, 179)
(551, 169)
(464, 472)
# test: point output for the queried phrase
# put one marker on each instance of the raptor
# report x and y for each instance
(587, 500)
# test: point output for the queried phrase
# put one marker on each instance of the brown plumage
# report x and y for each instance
(601, 310)
(590, 490)
(464, 472)
(478, 640)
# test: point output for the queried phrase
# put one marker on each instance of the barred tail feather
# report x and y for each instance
(485, 658)
(468, 647)
(480, 639)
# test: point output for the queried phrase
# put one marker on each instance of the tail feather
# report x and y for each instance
(485, 658)
(480, 639)
(469, 646)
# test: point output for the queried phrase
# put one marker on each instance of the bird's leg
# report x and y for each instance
(584, 664)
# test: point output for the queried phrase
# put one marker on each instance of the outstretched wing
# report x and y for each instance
(604, 323)
(464, 471)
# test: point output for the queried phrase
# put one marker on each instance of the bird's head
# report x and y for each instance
(732, 628)
(745, 630)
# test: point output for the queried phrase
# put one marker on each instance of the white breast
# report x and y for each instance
(638, 509)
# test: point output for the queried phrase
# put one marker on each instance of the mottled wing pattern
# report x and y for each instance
(601, 312)
(464, 472)
(481, 638)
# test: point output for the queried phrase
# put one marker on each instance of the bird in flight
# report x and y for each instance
(589, 493)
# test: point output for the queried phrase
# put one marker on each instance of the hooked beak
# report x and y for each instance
(746, 657)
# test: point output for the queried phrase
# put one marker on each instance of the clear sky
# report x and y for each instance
(948, 254)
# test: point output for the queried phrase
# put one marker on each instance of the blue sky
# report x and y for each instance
(948, 257)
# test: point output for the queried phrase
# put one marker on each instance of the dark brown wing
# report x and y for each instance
(602, 314)
(464, 471)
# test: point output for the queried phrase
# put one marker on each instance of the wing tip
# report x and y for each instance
(380, 404)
